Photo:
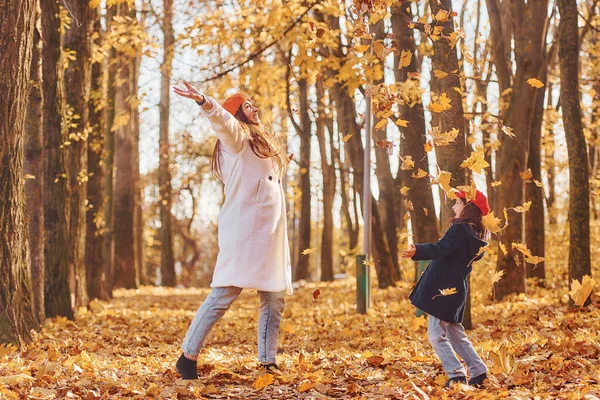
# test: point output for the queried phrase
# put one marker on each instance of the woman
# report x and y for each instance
(253, 242)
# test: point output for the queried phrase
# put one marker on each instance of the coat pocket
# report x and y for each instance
(267, 192)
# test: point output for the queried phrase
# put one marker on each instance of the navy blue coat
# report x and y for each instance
(452, 260)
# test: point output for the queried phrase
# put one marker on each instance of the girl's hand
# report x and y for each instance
(410, 252)
(189, 92)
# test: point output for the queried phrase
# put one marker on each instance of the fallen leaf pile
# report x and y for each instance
(535, 346)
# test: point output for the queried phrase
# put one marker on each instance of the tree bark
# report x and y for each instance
(329, 184)
(579, 190)
(125, 268)
(95, 223)
(17, 314)
(77, 93)
(34, 165)
(58, 295)
(529, 33)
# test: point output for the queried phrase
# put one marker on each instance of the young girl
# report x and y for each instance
(253, 242)
(452, 258)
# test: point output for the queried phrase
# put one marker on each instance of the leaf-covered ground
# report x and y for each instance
(533, 344)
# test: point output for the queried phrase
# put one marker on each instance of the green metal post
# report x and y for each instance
(363, 283)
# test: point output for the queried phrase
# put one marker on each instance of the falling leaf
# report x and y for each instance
(426, 211)
(420, 174)
(29, 176)
(503, 248)
(443, 180)
(347, 137)
(316, 294)
(580, 291)
(404, 190)
(475, 162)
(509, 131)
(537, 183)
(405, 59)
(497, 276)
(526, 175)
(536, 83)
(368, 263)
(522, 248)
(428, 146)
(381, 124)
(385, 144)
(522, 209)
(406, 216)
(402, 122)
(303, 171)
(407, 163)
(440, 74)
(444, 138)
(496, 183)
(469, 191)
(446, 292)
(361, 48)
(443, 15)
(263, 381)
(408, 205)
(594, 194)
(306, 252)
(442, 103)
(491, 222)
(534, 260)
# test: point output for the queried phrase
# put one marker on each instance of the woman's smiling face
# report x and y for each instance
(251, 112)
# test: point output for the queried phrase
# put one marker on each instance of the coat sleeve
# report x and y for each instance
(447, 245)
(226, 127)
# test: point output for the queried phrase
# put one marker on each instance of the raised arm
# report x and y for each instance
(227, 128)
(447, 245)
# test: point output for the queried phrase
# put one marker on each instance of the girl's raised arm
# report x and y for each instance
(227, 128)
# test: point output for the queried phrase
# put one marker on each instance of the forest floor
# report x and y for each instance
(534, 345)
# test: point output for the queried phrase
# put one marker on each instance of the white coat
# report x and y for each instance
(252, 226)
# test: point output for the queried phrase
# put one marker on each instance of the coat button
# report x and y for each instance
(270, 178)
(279, 181)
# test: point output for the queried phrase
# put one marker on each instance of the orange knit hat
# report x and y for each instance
(233, 103)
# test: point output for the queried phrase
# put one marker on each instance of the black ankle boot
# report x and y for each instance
(270, 368)
(477, 381)
(187, 368)
(461, 379)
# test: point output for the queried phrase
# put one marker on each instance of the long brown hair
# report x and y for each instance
(262, 142)
(471, 214)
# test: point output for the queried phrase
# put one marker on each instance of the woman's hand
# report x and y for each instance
(189, 92)
(410, 252)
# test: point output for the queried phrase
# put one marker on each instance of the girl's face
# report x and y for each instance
(251, 112)
(458, 207)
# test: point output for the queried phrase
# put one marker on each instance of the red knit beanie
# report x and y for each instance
(233, 103)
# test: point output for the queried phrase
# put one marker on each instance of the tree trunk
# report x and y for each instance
(329, 183)
(424, 222)
(58, 296)
(529, 33)
(17, 313)
(167, 260)
(77, 94)
(301, 270)
(579, 190)
(95, 223)
(34, 166)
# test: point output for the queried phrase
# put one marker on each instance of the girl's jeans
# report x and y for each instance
(448, 338)
(215, 306)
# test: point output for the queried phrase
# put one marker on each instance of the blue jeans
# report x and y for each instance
(448, 338)
(217, 303)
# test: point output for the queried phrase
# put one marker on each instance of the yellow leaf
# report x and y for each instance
(536, 83)
(407, 163)
(475, 162)
(303, 171)
(263, 381)
(509, 131)
(381, 124)
(308, 251)
(503, 361)
(524, 208)
(404, 190)
(402, 122)
(347, 137)
(491, 222)
(444, 100)
(470, 191)
(368, 263)
(361, 48)
(457, 90)
(305, 387)
(442, 16)
(435, 107)
(580, 291)
(29, 176)
(6, 349)
(497, 276)
(405, 59)
(496, 183)
(534, 260)
(428, 146)
(526, 175)
(418, 322)
(440, 74)
(503, 248)
(443, 138)
(522, 248)
(426, 211)
(446, 292)
(406, 216)
(420, 174)
(537, 183)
